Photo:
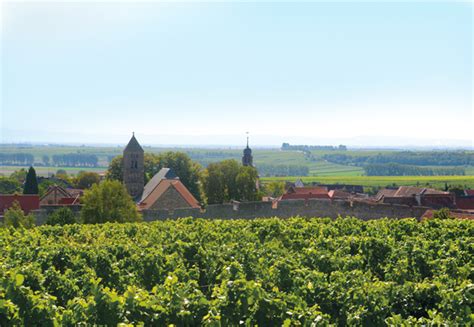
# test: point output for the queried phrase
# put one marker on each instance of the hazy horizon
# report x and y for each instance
(359, 74)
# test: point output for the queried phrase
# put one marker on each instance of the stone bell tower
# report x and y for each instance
(134, 168)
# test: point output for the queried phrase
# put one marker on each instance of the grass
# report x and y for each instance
(382, 181)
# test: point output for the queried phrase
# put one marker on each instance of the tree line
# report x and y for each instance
(394, 169)
(428, 158)
(306, 148)
(16, 159)
(75, 160)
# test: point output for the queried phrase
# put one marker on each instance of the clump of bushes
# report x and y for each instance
(16, 218)
(61, 217)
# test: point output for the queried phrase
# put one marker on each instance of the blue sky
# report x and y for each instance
(205, 73)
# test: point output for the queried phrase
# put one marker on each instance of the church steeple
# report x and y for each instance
(134, 168)
(247, 159)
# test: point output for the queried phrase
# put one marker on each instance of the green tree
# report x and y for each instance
(275, 189)
(62, 216)
(108, 201)
(85, 179)
(19, 175)
(246, 184)
(31, 182)
(230, 170)
(16, 218)
(228, 180)
(458, 190)
(213, 184)
(9, 185)
(115, 169)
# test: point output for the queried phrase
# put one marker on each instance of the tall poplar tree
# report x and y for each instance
(31, 183)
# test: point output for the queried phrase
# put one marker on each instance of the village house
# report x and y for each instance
(58, 195)
(416, 196)
(163, 191)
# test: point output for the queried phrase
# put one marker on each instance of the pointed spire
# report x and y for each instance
(133, 144)
(247, 139)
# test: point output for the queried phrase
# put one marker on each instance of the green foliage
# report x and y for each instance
(85, 180)
(31, 182)
(228, 180)
(115, 169)
(19, 175)
(246, 184)
(265, 272)
(16, 218)
(9, 185)
(274, 189)
(62, 216)
(458, 190)
(442, 213)
(107, 202)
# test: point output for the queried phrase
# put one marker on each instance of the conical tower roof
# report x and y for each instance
(133, 145)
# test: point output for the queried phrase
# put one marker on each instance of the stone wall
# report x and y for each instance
(285, 209)
(290, 208)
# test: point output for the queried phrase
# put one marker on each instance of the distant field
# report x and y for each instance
(382, 181)
(46, 171)
(318, 167)
(324, 168)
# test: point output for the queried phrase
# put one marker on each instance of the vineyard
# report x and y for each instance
(241, 272)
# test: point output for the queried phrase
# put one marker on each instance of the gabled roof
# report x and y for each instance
(339, 194)
(162, 187)
(65, 192)
(133, 145)
(386, 192)
(164, 173)
(56, 188)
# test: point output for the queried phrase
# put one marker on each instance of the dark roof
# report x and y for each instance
(133, 145)
(164, 173)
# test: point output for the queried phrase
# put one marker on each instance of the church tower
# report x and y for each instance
(247, 159)
(134, 168)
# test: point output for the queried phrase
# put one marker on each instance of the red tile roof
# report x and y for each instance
(27, 202)
(162, 187)
(306, 193)
(469, 192)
